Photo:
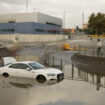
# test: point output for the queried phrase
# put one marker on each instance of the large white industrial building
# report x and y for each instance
(29, 23)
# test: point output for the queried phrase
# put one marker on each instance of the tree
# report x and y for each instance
(96, 23)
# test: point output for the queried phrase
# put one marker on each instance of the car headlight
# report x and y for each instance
(51, 74)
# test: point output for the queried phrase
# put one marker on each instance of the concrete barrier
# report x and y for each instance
(31, 37)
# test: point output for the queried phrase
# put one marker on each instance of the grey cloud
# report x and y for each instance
(75, 8)
(12, 1)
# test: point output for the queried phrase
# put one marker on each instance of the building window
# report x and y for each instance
(11, 21)
(7, 30)
(3, 30)
(11, 30)
(39, 30)
(53, 24)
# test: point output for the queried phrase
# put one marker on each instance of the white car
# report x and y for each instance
(28, 73)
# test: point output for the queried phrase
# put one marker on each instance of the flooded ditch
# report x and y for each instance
(79, 87)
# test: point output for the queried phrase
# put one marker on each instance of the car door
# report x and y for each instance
(11, 70)
(24, 71)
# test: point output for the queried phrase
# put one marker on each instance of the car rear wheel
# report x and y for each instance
(41, 79)
(5, 75)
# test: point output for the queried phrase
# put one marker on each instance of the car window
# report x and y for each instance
(19, 66)
(36, 65)
(15, 66)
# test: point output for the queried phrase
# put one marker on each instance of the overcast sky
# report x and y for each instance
(73, 8)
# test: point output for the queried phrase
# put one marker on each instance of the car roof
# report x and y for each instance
(25, 62)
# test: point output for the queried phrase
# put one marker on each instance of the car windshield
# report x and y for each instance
(36, 65)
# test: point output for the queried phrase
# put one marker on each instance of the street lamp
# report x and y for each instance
(63, 25)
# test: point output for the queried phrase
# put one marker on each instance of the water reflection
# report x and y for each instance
(95, 77)
(65, 93)
(23, 82)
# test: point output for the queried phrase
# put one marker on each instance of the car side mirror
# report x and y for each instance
(28, 69)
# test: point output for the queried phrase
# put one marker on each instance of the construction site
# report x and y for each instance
(41, 38)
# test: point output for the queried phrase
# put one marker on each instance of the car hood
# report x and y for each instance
(50, 70)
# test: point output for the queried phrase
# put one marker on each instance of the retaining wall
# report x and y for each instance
(31, 37)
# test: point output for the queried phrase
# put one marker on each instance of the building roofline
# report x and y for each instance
(30, 13)
(18, 13)
(50, 15)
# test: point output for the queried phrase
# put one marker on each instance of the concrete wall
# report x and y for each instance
(30, 37)
(27, 28)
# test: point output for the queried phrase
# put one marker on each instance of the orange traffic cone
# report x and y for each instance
(74, 47)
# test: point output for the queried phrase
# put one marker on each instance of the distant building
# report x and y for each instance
(29, 23)
(85, 26)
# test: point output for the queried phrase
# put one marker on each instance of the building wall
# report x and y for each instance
(30, 17)
(30, 37)
(29, 23)
(42, 18)
(85, 26)
(27, 28)
(19, 17)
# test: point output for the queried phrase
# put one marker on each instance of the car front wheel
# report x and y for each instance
(41, 79)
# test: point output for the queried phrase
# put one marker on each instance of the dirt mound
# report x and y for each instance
(5, 52)
(13, 47)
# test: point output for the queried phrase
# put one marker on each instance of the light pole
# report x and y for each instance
(83, 22)
(63, 25)
(26, 5)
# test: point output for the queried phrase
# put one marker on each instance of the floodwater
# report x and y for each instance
(68, 92)
(78, 88)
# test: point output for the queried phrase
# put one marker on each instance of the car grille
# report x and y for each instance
(60, 77)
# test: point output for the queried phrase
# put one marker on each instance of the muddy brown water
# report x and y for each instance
(68, 92)
(76, 91)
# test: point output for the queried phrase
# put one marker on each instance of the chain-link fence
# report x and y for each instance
(90, 50)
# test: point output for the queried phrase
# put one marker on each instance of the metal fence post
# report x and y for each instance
(61, 65)
(53, 61)
(93, 78)
(72, 70)
(93, 51)
(79, 48)
(48, 60)
(84, 50)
